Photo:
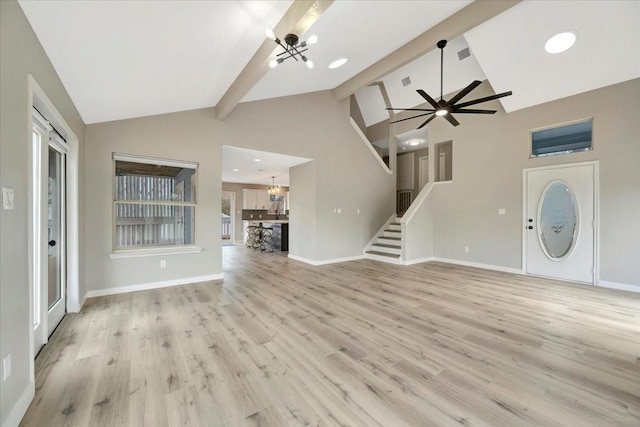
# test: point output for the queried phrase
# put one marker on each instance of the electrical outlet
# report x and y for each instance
(335, 210)
(339, 211)
(502, 211)
(6, 367)
(163, 263)
(466, 249)
(358, 211)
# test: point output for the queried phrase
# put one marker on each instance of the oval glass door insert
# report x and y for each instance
(557, 220)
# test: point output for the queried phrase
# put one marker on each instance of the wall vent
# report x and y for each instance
(406, 81)
(464, 53)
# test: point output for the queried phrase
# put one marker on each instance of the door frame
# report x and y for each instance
(596, 212)
(74, 302)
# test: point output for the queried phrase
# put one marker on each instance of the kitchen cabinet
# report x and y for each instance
(255, 199)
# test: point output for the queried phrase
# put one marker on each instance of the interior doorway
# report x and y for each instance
(560, 239)
(423, 170)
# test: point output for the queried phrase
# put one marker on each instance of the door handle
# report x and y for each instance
(52, 243)
(530, 227)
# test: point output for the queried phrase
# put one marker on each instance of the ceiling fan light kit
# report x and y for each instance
(292, 48)
(443, 108)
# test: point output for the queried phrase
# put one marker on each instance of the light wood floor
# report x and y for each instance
(361, 343)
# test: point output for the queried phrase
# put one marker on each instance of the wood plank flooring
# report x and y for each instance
(281, 343)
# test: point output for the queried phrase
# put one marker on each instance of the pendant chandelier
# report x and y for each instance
(274, 189)
(292, 49)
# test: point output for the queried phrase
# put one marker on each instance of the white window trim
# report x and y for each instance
(135, 252)
(154, 251)
(155, 161)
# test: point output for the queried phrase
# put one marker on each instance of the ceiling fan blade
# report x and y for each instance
(411, 109)
(471, 111)
(485, 99)
(426, 121)
(474, 84)
(451, 120)
(429, 99)
(409, 118)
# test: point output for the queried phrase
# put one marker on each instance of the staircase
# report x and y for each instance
(387, 246)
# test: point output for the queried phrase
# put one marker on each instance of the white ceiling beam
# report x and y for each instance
(457, 24)
(297, 20)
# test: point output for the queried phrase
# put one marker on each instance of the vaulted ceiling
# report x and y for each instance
(127, 59)
(124, 59)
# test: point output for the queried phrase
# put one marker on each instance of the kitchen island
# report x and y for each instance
(280, 238)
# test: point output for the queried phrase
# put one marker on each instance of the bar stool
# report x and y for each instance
(266, 241)
(253, 236)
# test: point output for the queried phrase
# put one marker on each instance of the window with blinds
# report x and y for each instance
(154, 202)
(563, 139)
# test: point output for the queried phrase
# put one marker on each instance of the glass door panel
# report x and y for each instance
(55, 239)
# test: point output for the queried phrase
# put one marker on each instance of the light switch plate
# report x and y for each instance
(502, 211)
(6, 367)
(7, 198)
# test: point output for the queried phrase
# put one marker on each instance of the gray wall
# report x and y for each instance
(20, 55)
(344, 174)
(236, 188)
(179, 136)
(489, 154)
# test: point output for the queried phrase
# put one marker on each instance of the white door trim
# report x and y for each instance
(596, 212)
(37, 97)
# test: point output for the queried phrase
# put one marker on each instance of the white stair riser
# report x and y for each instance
(395, 227)
(383, 259)
(391, 234)
(388, 241)
(386, 250)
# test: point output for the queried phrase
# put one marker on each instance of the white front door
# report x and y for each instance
(560, 221)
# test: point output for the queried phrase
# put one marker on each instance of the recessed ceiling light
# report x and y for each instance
(257, 160)
(235, 170)
(404, 148)
(414, 142)
(338, 63)
(560, 42)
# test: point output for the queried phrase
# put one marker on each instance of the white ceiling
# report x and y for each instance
(252, 172)
(510, 49)
(362, 31)
(122, 59)
(421, 136)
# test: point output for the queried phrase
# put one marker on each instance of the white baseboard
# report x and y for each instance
(479, 265)
(418, 261)
(620, 286)
(21, 406)
(153, 285)
(325, 261)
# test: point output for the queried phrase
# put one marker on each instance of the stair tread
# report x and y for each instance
(390, 238)
(393, 231)
(385, 245)
(383, 254)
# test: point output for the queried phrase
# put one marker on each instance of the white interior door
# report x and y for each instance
(423, 167)
(560, 222)
(442, 167)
